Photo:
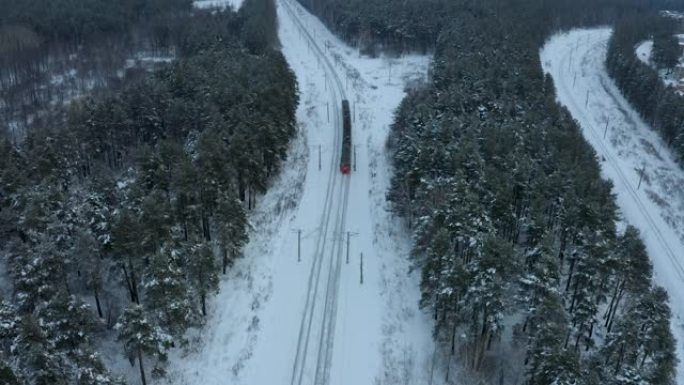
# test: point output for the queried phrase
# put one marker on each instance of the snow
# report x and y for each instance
(627, 148)
(644, 50)
(221, 4)
(669, 78)
(280, 321)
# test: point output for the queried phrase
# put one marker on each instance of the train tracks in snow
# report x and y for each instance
(314, 354)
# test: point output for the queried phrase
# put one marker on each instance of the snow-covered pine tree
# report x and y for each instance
(202, 272)
(231, 227)
(142, 338)
(167, 294)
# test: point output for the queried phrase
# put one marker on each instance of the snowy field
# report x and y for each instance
(648, 182)
(280, 321)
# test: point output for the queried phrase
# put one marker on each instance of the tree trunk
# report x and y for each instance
(97, 302)
(134, 284)
(128, 282)
(142, 369)
(570, 271)
(619, 360)
(204, 304)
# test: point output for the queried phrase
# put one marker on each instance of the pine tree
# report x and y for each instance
(142, 338)
(231, 227)
(167, 294)
(201, 266)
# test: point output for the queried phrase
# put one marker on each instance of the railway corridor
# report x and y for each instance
(628, 149)
(323, 294)
(316, 336)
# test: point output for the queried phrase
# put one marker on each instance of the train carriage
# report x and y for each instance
(345, 161)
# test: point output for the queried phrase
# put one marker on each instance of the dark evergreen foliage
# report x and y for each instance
(136, 201)
(657, 103)
(510, 216)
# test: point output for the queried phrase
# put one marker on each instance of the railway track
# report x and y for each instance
(610, 158)
(317, 328)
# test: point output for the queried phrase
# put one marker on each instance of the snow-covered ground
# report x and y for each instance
(203, 4)
(628, 148)
(280, 321)
(644, 50)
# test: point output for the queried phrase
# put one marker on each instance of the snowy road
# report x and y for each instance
(648, 183)
(324, 319)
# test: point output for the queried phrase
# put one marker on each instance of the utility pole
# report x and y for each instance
(319, 157)
(361, 266)
(327, 110)
(299, 244)
(574, 80)
(586, 102)
(355, 157)
(641, 176)
(349, 235)
(605, 131)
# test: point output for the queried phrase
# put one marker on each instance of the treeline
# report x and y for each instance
(54, 51)
(514, 230)
(657, 103)
(76, 20)
(415, 25)
(117, 222)
(385, 25)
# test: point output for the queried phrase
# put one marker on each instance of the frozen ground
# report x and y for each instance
(628, 149)
(280, 321)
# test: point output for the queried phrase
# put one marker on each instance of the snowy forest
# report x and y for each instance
(640, 83)
(523, 265)
(120, 209)
(137, 135)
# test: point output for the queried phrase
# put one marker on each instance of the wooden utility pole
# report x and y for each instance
(319, 157)
(605, 131)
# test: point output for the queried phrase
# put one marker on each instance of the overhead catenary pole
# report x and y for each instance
(641, 176)
(355, 157)
(586, 102)
(361, 268)
(349, 235)
(299, 244)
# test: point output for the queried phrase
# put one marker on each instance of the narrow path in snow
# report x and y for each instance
(648, 183)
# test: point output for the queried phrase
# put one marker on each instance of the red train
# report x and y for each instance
(345, 161)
